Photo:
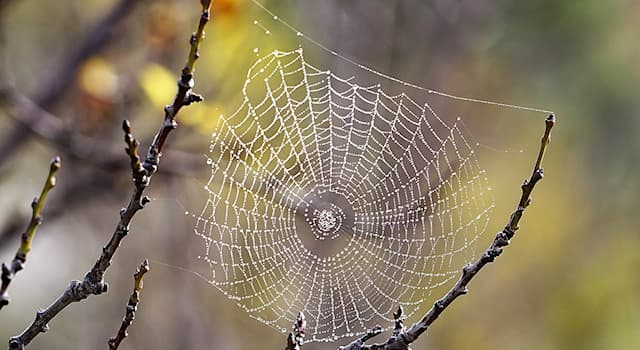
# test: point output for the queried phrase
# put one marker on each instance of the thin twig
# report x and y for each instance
(8, 273)
(93, 282)
(53, 130)
(132, 307)
(53, 90)
(100, 183)
(296, 338)
(402, 338)
(359, 343)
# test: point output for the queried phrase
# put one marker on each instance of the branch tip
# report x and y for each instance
(295, 339)
(26, 239)
(126, 126)
(144, 268)
(551, 120)
(132, 306)
(55, 164)
(399, 321)
(398, 314)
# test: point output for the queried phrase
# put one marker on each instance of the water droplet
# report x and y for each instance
(267, 32)
(299, 34)
(275, 18)
(255, 50)
(209, 161)
(186, 213)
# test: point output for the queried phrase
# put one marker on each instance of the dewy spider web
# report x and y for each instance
(336, 200)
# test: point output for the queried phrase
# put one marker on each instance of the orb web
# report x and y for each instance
(336, 200)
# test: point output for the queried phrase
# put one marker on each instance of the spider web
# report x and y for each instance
(336, 200)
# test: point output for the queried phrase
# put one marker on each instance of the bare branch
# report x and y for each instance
(93, 282)
(8, 273)
(402, 338)
(132, 307)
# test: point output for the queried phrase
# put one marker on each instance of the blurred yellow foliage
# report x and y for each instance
(203, 116)
(158, 83)
(98, 78)
(226, 7)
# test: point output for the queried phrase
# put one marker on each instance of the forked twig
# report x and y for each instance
(132, 307)
(93, 282)
(8, 273)
(403, 337)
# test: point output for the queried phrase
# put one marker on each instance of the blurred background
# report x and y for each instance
(71, 71)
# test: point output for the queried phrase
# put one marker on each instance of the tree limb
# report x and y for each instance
(8, 273)
(403, 337)
(132, 307)
(93, 282)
